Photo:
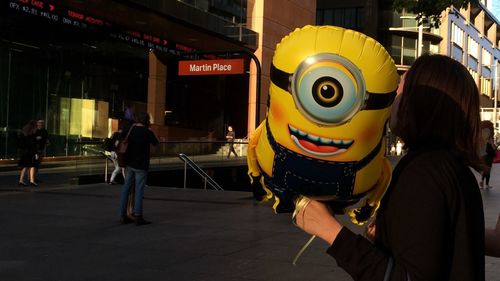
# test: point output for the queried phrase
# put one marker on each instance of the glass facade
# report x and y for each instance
(351, 18)
(80, 78)
(231, 10)
(402, 38)
(225, 17)
(75, 90)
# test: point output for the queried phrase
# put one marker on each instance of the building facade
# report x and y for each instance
(472, 37)
(80, 64)
(469, 35)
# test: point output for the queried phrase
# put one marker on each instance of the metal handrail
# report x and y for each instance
(106, 157)
(199, 171)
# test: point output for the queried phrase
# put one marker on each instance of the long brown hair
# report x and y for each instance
(440, 107)
(29, 128)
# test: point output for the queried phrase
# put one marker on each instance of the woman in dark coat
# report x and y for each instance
(28, 156)
(430, 224)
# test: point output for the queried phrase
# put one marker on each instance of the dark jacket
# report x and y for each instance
(430, 224)
(27, 148)
(41, 136)
(490, 154)
(139, 144)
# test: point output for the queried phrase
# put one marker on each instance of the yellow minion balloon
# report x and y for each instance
(323, 137)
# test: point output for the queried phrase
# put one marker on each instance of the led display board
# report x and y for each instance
(50, 11)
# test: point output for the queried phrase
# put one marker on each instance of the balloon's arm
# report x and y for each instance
(253, 166)
(260, 192)
(362, 214)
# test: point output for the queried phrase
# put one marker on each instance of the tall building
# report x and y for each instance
(80, 64)
(472, 37)
(469, 35)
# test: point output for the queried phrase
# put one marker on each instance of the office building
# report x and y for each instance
(80, 64)
(469, 35)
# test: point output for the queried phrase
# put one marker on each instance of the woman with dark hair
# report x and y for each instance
(430, 224)
(28, 157)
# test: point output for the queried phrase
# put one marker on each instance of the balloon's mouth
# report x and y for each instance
(317, 145)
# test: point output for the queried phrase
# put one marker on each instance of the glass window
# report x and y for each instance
(319, 17)
(473, 48)
(486, 58)
(328, 18)
(474, 74)
(486, 72)
(351, 18)
(408, 60)
(457, 53)
(338, 17)
(457, 35)
(396, 19)
(409, 22)
(472, 63)
(409, 50)
(409, 43)
(486, 86)
(396, 43)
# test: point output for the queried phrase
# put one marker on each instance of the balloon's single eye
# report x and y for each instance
(328, 89)
(327, 92)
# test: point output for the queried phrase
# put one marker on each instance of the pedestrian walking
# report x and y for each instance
(487, 151)
(110, 147)
(230, 136)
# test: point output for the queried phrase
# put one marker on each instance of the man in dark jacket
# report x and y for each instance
(137, 165)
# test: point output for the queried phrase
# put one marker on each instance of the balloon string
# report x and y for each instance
(301, 203)
(303, 249)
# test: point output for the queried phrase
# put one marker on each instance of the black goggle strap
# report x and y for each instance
(375, 101)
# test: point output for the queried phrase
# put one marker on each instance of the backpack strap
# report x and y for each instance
(129, 130)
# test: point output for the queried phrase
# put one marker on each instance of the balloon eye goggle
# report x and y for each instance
(325, 114)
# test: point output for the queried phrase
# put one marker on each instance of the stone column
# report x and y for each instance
(157, 85)
(268, 19)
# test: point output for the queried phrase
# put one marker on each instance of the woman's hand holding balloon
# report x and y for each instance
(316, 219)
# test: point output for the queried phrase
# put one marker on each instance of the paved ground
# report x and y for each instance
(67, 232)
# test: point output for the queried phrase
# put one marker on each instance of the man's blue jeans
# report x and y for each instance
(140, 177)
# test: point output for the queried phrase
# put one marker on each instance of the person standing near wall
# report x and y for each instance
(140, 137)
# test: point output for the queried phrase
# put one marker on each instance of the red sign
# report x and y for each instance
(211, 67)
